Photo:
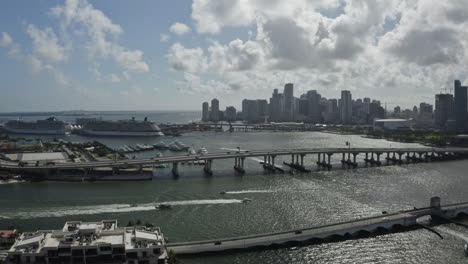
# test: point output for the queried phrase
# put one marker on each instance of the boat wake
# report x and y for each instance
(107, 209)
(453, 233)
(201, 202)
(249, 191)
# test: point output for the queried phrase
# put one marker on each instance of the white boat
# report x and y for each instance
(174, 147)
(191, 151)
(93, 126)
(202, 151)
(158, 155)
(246, 200)
(161, 145)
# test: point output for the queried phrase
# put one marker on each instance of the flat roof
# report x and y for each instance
(41, 156)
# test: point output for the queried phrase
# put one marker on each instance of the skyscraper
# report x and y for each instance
(314, 113)
(289, 102)
(460, 107)
(443, 109)
(346, 107)
(215, 110)
(276, 106)
(205, 111)
(230, 113)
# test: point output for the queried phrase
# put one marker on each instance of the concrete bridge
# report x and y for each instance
(373, 156)
(343, 230)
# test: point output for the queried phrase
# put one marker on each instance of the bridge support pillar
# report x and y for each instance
(273, 160)
(292, 159)
(378, 158)
(319, 158)
(207, 167)
(329, 166)
(175, 168)
(302, 160)
(354, 157)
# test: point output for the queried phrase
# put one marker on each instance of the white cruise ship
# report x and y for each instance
(49, 126)
(95, 127)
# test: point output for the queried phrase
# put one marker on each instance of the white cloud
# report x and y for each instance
(163, 38)
(46, 44)
(179, 28)
(101, 34)
(113, 78)
(6, 40)
(187, 60)
(372, 47)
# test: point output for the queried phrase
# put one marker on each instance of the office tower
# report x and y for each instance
(276, 106)
(314, 114)
(230, 113)
(205, 111)
(215, 110)
(289, 102)
(460, 106)
(443, 109)
(346, 107)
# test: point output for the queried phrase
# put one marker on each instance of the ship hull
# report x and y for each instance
(34, 131)
(121, 133)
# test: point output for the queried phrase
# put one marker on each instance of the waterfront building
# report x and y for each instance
(7, 238)
(425, 116)
(205, 111)
(443, 110)
(314, 114)
(331, 112)
(276, 106)
(346, 107)
(460, 106)
(250, 110)
(289, 105)
(230, 113)
(263, 109)
(392, 124)
(215, 110)
(90, 242)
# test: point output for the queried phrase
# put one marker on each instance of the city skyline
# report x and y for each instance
(76, 54)
(449, 111)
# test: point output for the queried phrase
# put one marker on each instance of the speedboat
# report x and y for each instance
(191, 151)
(222, 192)
(161, 145)
(158, 155)
(202, 151)
(163, 206)
(246, 200)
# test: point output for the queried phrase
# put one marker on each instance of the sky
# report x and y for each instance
(173, 55)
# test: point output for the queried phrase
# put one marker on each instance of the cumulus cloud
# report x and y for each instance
(46, 44)
(179, 28)
(6, 40)
(186, 59)
(80, 16)
(374, 47)
(164, 38)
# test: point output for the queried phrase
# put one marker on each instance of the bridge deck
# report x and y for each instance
(404, 218)
(230, 155)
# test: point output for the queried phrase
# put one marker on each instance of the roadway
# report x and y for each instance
(226, 155)
(369, 224)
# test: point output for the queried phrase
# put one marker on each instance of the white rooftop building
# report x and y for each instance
(90, 242)
(392, 124)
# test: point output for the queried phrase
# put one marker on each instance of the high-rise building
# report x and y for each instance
(460, 106)
(289, 102)
(314, 113)
(346, 107)
(276, 106)
(263, 110)
(230, 114)
(443, 109)
(215, 110)
(205, 111)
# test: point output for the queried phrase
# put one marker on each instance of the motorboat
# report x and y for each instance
(202, 151)
(158, 155)
(246, 200)
(181, 145)
(191, 151)
(222, 192)
(161, 145)
(163, 206)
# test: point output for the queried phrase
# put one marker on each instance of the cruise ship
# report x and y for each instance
(96, 127)
(49, 126)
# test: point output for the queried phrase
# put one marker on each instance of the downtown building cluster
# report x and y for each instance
(450, 111)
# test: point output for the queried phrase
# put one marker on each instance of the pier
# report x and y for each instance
(372, 156)
(354, 228)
